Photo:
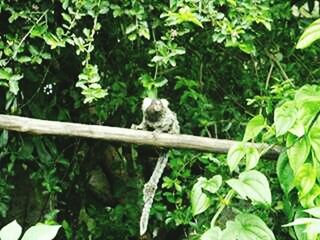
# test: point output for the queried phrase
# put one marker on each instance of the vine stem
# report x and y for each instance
(88, 57)
(224, 202)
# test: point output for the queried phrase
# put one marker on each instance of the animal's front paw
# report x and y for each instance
(136, 127)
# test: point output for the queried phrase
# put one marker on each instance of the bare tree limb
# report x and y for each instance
(45, 127)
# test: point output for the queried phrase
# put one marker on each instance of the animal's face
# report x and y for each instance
(153, 109)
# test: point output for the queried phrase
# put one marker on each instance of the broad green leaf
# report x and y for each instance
(253, 185)
(199, 200)
(285, 117)
(231, 232)
(254, 127)
(302, 221)
(41, 232)
(213, 233)
(11, 231)
(300, 229)
(213, 184)
(305, 178)
(247, 227)
(312, 227)
(298, 151)
(235, 154)
(314, 138)
(313, 230)
(314, 211)
(298, 128)
(285, 173)
(308, 93)
(311, 34)
(307, 111)
(252, 157)
(238, 186)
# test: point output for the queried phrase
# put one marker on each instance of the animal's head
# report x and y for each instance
(154, 108)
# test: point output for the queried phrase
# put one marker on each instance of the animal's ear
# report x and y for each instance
(164, 102)
(146, 103)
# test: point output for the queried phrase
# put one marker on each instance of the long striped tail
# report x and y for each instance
(149, 191)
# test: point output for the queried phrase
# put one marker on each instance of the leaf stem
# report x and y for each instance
(224, 202)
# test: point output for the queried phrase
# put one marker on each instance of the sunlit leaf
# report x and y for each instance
(41, 232)
(213, 233)
(305, 178)
(254, 127)
(213, 184)
(308, 93)
(252, 157)
(314, 138)
(315, 212)
(285, 117)
(310, 34)
(298, 151)
(245, 227)
(235, 154)
(199, 200)
(253, 185)
(11, 231)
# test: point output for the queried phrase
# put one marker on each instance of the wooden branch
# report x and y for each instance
(44, 127)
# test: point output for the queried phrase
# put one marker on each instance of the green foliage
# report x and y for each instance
(221, 64)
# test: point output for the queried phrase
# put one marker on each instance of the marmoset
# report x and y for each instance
(159, 118)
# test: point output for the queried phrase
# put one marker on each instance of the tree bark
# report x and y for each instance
(45, 127)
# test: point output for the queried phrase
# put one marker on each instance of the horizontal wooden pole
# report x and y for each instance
(45, 127)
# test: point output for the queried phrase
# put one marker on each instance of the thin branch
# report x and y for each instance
(45, 127)
(25, 37)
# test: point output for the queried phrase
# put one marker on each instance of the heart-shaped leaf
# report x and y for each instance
(247, 226)
(253, 185)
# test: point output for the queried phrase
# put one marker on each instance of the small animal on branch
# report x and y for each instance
(157, 117)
